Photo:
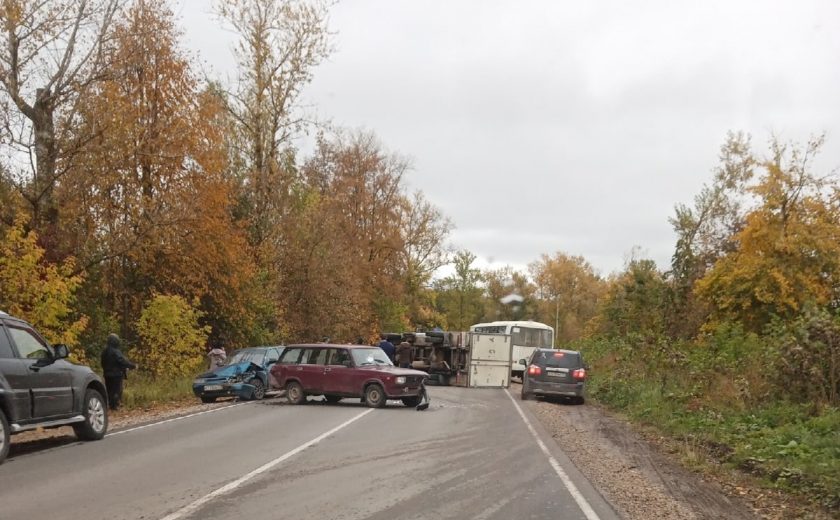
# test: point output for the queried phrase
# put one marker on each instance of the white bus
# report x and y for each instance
(525, 336)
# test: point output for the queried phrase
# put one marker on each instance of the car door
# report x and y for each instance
(50, 384)
(309, 371)
(16, 394)
(338, 376)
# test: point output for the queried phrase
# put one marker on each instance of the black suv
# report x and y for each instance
(554, 372)
(40, 389)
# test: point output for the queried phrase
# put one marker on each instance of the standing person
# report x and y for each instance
(217, 357)
(387, 347)
(115, 366)
(405, 354)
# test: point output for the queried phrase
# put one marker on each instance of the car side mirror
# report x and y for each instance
(61, 351)
(523, 361)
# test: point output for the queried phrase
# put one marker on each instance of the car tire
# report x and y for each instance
(95, 413)
(375, 396)
(259, 389)
(526, 396)
(412, 401)
(295, 393)
(332, 399)
(4, 437)
(578, 400)
(207, 399)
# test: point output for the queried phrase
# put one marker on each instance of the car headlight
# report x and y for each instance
(400, 380)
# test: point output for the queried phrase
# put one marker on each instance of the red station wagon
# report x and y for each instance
(337, 371)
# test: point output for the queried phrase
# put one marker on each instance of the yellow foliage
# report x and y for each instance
(39, 292)
(171, 339)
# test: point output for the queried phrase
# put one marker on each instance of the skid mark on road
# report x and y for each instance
(227, 488)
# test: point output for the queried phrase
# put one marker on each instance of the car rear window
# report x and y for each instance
(557, 359)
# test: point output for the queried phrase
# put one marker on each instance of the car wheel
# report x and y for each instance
(375, 396)
(96, 417)
(332, 399)
(526, 395)
(578, 400)
(4, 437)
(259, 389)
(294, 393)
(208, 399)
(412, 401)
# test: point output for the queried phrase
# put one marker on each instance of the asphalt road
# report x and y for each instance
(475, 454)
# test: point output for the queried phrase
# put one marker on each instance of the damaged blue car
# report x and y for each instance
(246, 376)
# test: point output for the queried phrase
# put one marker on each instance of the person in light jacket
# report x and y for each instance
(217, 356)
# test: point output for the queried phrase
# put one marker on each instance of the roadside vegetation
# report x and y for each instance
(138, 197)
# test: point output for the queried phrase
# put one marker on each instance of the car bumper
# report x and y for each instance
(559, 389)
(242, 390)
(403, 391)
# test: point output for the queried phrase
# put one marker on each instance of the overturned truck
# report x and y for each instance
(444, 355)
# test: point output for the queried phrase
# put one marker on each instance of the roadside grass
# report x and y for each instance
(789, 446)
(142, 390)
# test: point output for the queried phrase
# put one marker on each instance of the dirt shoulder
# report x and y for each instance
(641, 477)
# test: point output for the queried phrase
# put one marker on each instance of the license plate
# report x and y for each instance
(210, 388)
(556, 374)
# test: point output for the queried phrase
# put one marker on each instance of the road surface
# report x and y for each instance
(475, 454)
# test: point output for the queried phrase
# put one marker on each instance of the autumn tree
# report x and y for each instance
(51, 57)
(171, 338)
(635, 302)
(423, 231)
(280, 44)
(38, 291)
(567, 292)
(150, 203)
(706, 231)
(508, 295)
(787, 254)
(460, 294)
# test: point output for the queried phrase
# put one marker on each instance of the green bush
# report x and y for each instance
(171, 339)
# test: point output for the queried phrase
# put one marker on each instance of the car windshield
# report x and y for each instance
(370, 356)
(245, 355)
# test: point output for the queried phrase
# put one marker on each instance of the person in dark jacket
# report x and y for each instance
(115, 366)
(387, 347)
(405, 354)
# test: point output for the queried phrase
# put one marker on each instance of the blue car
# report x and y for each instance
(246, 376)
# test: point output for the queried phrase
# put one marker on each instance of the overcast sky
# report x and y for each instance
(567, 126)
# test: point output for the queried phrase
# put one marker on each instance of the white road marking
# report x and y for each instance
(191, 508)
(564, 477)
(173, 419)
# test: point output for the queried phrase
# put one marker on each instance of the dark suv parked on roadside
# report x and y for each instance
(41, 389)
(554, 372)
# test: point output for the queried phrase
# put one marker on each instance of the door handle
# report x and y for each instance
(298, 368)
(328, 369)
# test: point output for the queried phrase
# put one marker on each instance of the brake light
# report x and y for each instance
(579, 374)
(534, 370)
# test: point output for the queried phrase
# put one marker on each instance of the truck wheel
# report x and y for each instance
(4, 437)
(259, 389)
(412, 401)
(96, 417)
(294, 393)
(375, 396)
